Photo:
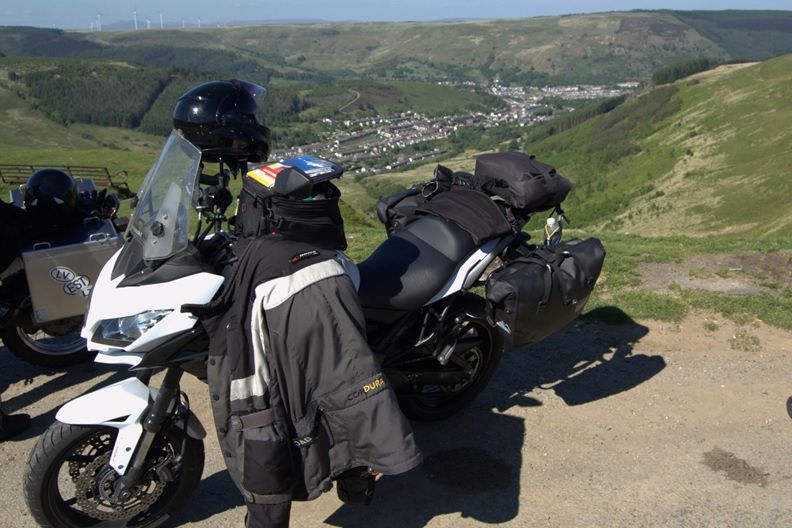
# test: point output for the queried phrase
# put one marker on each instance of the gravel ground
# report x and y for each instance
(644, 424)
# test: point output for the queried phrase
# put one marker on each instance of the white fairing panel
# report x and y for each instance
(122, 406)
(454, 284)
(109, 301)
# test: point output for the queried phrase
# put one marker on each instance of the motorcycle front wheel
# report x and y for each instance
(61, 348)
(69, 483)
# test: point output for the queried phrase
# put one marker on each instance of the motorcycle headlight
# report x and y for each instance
(126, 330)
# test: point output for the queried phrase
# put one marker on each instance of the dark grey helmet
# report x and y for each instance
(51, 196)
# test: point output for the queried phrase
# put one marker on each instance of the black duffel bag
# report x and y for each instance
(399, 209)
(535, 295)
(522, 181)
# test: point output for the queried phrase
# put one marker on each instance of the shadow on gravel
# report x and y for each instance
(215, 494)
(472, 461)
(471, 466)
(13, 370)
(590, 359)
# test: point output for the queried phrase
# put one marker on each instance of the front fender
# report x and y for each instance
(122, 405)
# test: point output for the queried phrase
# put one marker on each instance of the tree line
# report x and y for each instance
(678, 70)
(103, 95)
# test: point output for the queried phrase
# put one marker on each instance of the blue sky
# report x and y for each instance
(80, 13)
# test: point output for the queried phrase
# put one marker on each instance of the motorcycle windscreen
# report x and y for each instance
(161, 218)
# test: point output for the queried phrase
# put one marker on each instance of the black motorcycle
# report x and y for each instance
(47, 270)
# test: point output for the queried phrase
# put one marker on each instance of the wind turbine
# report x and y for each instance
(161, 25)
(148, 23)
(98, 21)
(199, 23)
(182, 23)
(134, 15)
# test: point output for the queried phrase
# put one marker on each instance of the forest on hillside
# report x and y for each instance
(78, 92)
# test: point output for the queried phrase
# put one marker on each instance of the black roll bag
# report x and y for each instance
(536, 294)
(398, 209)
(523, 182)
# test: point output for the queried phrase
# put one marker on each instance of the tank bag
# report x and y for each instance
(313, 219)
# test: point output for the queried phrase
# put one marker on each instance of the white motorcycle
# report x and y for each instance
(130, 454)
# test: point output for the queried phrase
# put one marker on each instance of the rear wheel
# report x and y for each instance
(56, 344)
(69, 483)
(477, 351)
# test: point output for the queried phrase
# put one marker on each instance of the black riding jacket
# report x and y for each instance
(297, 395)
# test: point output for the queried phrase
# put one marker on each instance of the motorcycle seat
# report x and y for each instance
(411, 267)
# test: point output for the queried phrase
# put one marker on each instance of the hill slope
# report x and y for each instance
(709, 154)
(601, 47)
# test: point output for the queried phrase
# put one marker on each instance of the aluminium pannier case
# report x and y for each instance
(61, 273)
(535, 295)
(522, 181)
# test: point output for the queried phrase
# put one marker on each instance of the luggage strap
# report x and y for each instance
(551, 262)
(252, 420)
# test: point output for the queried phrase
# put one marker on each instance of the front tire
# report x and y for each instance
(481, 347)
(46, 350)
(75, 456)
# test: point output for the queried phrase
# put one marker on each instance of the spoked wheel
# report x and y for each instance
(477, 352)
(56, 344)
(69, 482)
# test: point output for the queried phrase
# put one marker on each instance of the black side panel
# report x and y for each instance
(130, 260)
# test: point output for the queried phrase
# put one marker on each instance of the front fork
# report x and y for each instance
(161, 409)
(140, 413)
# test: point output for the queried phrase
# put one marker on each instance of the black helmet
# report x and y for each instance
(219, 117)
(51, 196)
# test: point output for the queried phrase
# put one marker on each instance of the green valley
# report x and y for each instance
(688, 174)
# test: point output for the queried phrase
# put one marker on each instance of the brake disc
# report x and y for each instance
(98, 444)
(95, 493)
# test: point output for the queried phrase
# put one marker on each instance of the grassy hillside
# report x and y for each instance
(709, 154)
(746, 35)
(578, 48)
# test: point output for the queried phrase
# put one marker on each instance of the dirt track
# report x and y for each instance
(649, 424)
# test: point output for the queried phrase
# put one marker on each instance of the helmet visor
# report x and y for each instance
(250, 98)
